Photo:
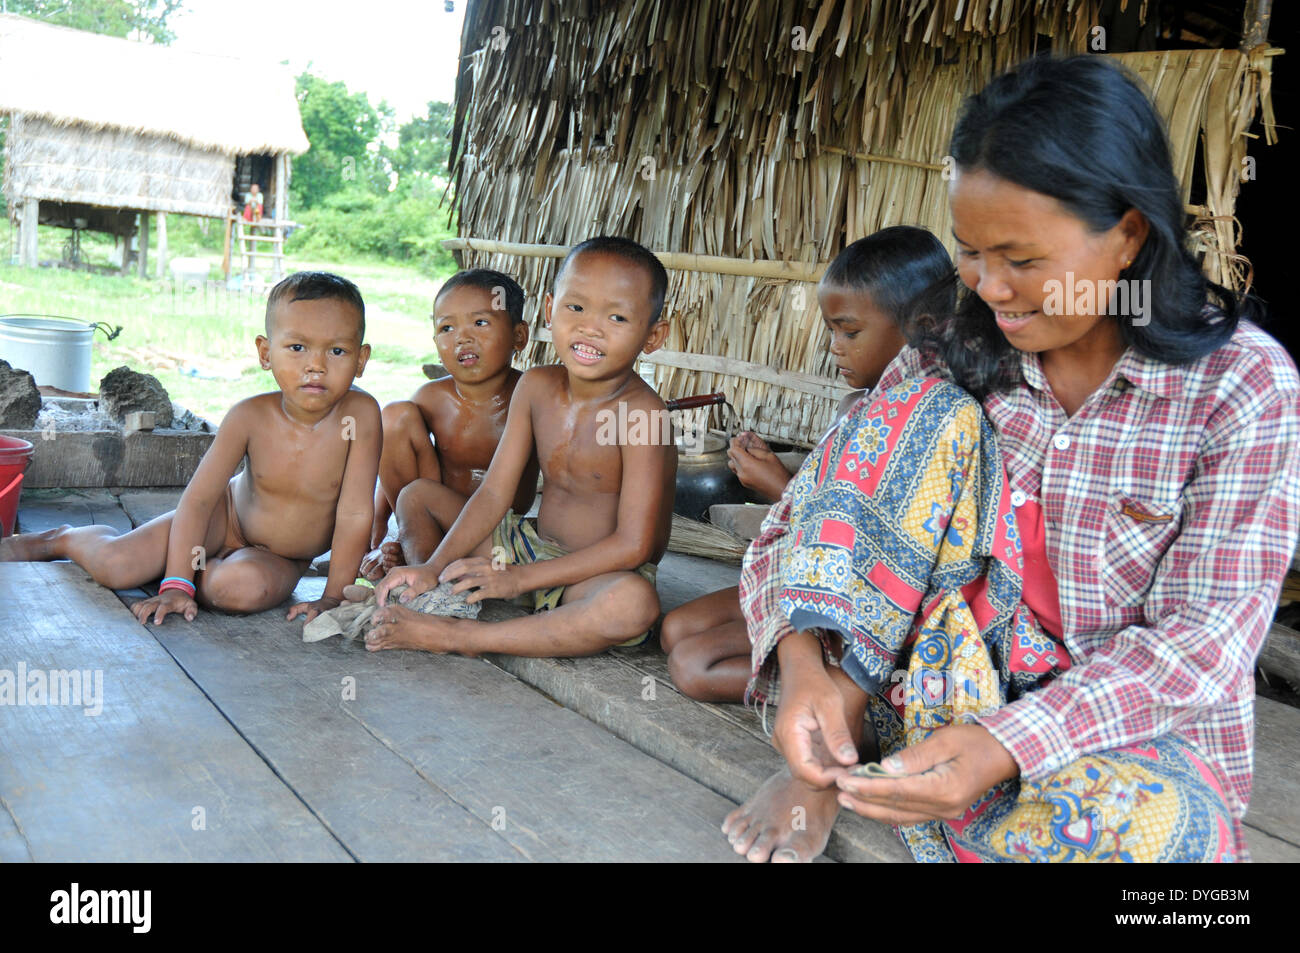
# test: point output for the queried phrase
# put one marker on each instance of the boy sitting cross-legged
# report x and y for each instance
(607, 503)
(311, 451)
(478, 325)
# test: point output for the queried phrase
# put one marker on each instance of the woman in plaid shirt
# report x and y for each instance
(1153, 443)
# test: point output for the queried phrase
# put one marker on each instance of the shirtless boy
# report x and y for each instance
(607, 504)
(312, 450)
(478, 325)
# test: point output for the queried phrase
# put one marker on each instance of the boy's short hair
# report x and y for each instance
(905, 269)
(489, 281)
(311, 286)
(631, 252)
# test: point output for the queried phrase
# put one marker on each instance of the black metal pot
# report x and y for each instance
(704, 479)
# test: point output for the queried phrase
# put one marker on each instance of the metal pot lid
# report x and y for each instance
(699, 446)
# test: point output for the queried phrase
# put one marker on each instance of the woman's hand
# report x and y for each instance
(169, 601)
(757, 467)
(811, 730)
(488, 578)
(938, 779)
(420, 578)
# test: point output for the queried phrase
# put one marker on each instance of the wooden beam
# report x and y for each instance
(143, 261)
(28, 233)
(81, 458)
(225, 248)
(1254, 24)
(1281, 653)
(281, 198)
(678, 261)
(734, 367)
(162, 245)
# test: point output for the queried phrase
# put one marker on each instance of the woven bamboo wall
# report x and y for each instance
(777, 130)
(115, 169)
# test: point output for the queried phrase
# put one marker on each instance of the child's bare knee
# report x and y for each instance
(414, 500)
(685, 672)
(401, 415)
(239, 588)
(674, 629)
(632, 601)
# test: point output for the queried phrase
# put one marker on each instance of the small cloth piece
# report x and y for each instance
(353, 618)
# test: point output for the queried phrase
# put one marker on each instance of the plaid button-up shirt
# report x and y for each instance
(1172, 504)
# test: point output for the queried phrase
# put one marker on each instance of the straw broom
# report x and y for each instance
(693, 538)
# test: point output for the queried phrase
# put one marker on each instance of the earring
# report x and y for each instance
(1128, 263)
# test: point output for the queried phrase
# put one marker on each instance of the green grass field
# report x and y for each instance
(199, 342)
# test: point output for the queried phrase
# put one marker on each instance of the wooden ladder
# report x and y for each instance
(251, 243)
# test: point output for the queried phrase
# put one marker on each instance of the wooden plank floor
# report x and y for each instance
(435, 759)
(440, 757)
(133, 781)
(349, 759)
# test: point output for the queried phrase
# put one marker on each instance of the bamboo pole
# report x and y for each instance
(1255, 22)
(872, 157)
(678, 261)
(734, 367)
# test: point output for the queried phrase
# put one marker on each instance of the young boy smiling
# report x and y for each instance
(607, 508)
(240, 543)
(478, 326)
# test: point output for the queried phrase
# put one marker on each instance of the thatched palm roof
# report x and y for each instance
(70, 77)
(776, 131)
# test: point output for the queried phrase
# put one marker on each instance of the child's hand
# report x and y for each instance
(488, 578)
(420, 579)
(169, 601)
(311, 610)
(757, 467)
(811, 730)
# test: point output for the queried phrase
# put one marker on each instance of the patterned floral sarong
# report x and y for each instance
(905, 545)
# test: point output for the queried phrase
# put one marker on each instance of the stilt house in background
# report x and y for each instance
(103, 131)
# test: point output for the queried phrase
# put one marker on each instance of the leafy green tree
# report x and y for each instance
(423, 146)
(344, 130)
(145, 19)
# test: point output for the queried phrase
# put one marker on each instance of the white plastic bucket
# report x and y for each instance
(54, 350)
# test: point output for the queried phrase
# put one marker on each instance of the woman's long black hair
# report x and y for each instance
(1082, 130)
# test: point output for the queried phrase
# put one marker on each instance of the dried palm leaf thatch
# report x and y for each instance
(693, 538)
(776, 131)
(1209, 97)
(81, 80)
(113, 168)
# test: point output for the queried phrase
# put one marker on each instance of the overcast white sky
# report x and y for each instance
(403, 51)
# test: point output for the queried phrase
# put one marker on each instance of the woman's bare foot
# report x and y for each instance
(31, 547)
(785, 821)
(379, 561)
